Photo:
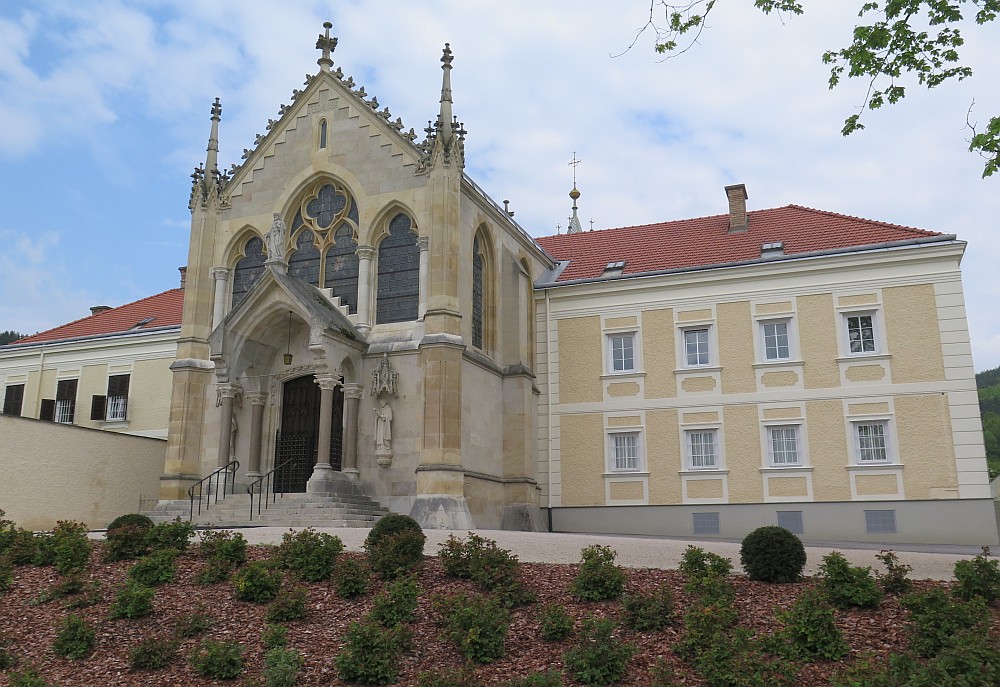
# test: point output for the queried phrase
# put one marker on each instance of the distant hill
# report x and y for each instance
(988, 383)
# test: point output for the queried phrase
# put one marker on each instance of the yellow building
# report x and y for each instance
(785, 366)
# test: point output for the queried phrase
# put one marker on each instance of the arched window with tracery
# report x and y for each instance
(478, 295)
(248, 269)
(397, 295)
(325, 230)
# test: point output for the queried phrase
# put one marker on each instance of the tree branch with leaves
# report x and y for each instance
(896, 41)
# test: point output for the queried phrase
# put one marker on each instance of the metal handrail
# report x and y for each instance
(220, 474)
(259, 485)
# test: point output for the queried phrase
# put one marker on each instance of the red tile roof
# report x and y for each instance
(164, 309)
(705, 241)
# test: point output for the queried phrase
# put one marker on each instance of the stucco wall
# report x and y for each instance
(61, 472)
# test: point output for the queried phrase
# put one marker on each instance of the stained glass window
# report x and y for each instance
(398, 273)
(477, 294)
(326, 205)
(248, 269)
(342, 267)
(304, 261)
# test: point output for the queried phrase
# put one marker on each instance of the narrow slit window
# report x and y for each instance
(322, 134)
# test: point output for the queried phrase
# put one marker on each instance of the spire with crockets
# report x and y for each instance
(445, 137)
(206, 180)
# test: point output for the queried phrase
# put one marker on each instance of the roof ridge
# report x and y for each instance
(867, 220)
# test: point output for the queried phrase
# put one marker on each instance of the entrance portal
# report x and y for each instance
(295, 448)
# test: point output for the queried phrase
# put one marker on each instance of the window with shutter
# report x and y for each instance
(65, 401)
(117, 402)
(47, 410)
(13, 399)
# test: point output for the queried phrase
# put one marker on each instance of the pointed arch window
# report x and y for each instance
(478, 304)
(303, 263)
(342, 267)
(248, 269)
(322, 133)
(398, 273)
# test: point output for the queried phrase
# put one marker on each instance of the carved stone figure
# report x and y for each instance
(275, 239)
(383, 426)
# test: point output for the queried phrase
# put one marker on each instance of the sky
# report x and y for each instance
(105, 105)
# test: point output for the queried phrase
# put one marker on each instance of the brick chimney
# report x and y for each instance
(738, 220)
(183, 271)
(98, 309)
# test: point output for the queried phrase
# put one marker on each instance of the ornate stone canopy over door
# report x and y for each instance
(295, 448)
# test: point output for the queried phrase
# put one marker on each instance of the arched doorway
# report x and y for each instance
(298, 434)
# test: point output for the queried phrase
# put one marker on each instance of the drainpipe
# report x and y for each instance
(548, 392)
(41, 373)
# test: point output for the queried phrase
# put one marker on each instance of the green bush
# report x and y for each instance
(174, 535)
(218, 660)
(741, 661)
(663, 674)
(697, 563)
(310, 554)
(67, 586)
(88, 592)
(74, 638)
(223, 547)
(971, 663)
(599, 578)
(6, 575)
(478, 625)
(550, 678)
(17, 546)
(398, 604)
(274, 636)
(449, 677)
(44, 550)
(70, 547)
(846, 586)
(894, 580)
(281, 667)
(707, 622)
(936, 620)
(152, 653)
(371, 653)
(257, 582)
(214, 573)
(397, 554)
(977, 578)
(554, 622)
(133, 601)
(598, 658)
(772, 554)
(494, 569)
(810, 628)
(7, 657)
(390, 525)
(193, 624)
(130, 519)
(29, 677)
(126, 537)
(350, 578)
(155, 569)
(290, 604)
(648, 611)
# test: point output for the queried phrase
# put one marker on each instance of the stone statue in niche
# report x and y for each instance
(384, 385)
(275, 239)
(383, 426)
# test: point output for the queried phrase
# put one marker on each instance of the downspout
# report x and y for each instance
(41, 374)
(548, 392)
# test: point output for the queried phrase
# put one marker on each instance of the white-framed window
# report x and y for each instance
(871, 442)
(697, 351)
(65, 405)
(702, 448)
(783, 445)
(621, 352)
(775, 339)
(861, 330)
(624, 452)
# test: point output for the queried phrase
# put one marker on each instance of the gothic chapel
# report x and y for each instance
(358, 312)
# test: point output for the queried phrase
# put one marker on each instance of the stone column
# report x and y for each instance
(258, 399)
(227, 394)
(423, 243)
(365, 254)
(221, 277)
(323, 473)
(352, 403)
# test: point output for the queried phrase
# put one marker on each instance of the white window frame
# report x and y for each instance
(610, 345)
(716, 449)
(613, 465)
(709, 352)
(769, 431)
(790, 340)
(888, 448)
(878, 342)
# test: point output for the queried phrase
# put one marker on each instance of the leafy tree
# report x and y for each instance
(988, 384)
(895, 40)
(8, 336)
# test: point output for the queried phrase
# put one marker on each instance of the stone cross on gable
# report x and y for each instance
(573, 163)
(327, 45)
(216, 110)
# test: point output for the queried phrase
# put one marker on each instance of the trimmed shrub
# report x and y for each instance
(290, 604)
(257, 583)
(449, 677)
(274, 636)
(70, 547)
(397, 554)
(398, 604)
(937, 620)
(894, 580)
(281, 667)
(389, 525)
(130, 519)
(478, 625)
(174, 535)
(599, 578)
(977, 578)
(536, 678)
(371, 653)
(811, 630)
(554, 623)
(74, 638)
(223, 547)
(310, 554)
(847, 586)
(152, 653)
(218, 660)
(698, 563)
(772, 554)
(6, 575)
(126, 537)
(17, 546)
(648, 611)
(350, 578)
(133, 601)
(193, 624)
(494, 569)
(598, 658)
(155, 569)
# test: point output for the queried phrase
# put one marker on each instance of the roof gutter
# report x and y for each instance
(943, 238)
(94, 337)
